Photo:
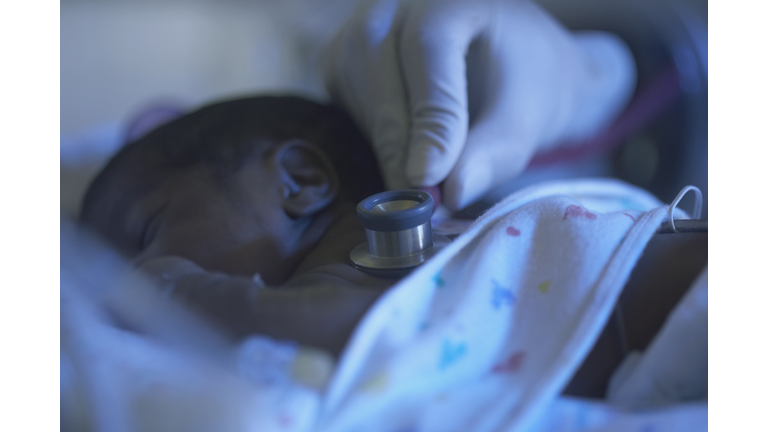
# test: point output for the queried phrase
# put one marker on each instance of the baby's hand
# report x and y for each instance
(227, 300)
(317, 312)
(166, 271)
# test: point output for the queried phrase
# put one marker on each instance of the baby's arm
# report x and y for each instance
(322, 312)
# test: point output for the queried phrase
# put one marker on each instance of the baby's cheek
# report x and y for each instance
(225, 247)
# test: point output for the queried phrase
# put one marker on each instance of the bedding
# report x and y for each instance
(483, 337)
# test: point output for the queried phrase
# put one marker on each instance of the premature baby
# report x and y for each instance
(264, 189)
(261, 186)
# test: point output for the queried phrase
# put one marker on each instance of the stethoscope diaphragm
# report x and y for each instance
(398, 233)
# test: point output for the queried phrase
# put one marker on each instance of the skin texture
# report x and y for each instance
(223, 229)
(280, 215)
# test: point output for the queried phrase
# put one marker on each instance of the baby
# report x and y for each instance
(264, 189)
(244, 191)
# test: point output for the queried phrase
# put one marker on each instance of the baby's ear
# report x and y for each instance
(308, 177)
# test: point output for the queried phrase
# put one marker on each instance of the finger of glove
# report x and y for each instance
(520, 105)
(363, 74)
(528, 99)
(492, 156)
(433, 46)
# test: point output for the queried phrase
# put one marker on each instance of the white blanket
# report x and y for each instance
(481, 338)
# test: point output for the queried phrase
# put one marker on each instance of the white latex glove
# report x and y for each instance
(466, 91)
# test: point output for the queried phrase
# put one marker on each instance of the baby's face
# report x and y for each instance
(237, 227)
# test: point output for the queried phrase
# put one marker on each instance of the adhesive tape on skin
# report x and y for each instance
(398, 232)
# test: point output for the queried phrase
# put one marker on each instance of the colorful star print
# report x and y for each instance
(451, 352)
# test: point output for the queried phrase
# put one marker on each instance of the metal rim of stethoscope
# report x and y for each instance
(398, 233)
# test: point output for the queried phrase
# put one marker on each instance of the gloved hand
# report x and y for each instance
(466, 91)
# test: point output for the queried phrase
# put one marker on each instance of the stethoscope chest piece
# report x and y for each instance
(398, 232)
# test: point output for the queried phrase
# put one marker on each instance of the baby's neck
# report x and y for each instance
(328, 262)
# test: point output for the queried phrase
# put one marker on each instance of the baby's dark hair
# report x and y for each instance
(225, 134)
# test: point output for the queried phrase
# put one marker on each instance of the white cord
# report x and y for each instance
(696, 205)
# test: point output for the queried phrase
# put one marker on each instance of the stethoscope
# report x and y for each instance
(398, 232)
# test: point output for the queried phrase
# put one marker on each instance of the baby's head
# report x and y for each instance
(242, 187)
